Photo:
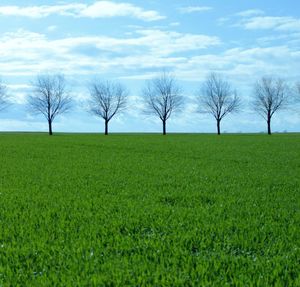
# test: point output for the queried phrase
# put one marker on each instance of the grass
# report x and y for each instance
(148, 210)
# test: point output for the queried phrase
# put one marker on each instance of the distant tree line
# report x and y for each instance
(162, 97)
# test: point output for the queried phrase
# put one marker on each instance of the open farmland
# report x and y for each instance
(149, 210)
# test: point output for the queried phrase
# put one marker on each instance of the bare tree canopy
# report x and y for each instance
(270, 96)
(3, 97)
(107, 100)
(217, 98)
(162, 97)
(49, 97)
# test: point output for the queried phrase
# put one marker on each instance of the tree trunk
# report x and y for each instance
(106, 127)
(269, 126)
(50, 127)
(218, 127)
(164, 127)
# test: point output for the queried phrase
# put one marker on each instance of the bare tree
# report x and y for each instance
(3, 97)
(49, 97)
(107, 100)
(217, 98)
(270, 96)
(162, 97)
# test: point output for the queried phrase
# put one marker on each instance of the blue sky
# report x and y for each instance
(132, 41)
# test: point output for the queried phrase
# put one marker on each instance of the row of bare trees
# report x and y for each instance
(162, 96)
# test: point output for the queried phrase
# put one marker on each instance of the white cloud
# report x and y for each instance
(52, 28)
(242, 65)
(144, 76)
(174, 24)
(242, 14)
(18, 86)
(26, 52)
(250, 12)
(42, 11)
(99, 9)
(18, 93)
(253, 20)
(104, 9)
(18, 98)
(276, 23)
(168, 42)
(140, 55)
(193, 9)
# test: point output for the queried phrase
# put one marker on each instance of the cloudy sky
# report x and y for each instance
(132, 41)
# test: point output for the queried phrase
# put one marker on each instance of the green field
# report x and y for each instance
(149, 210)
